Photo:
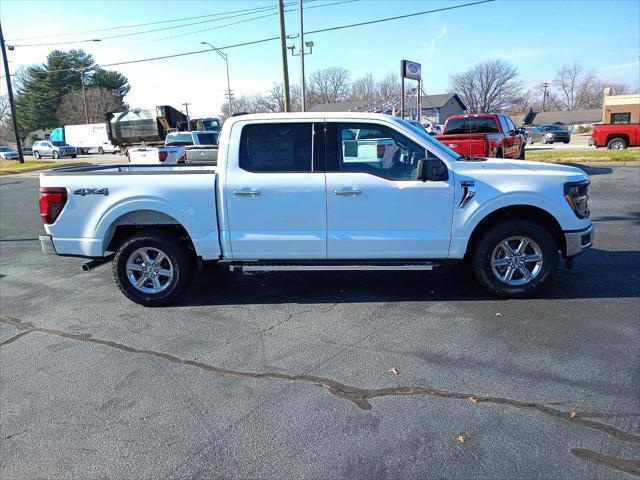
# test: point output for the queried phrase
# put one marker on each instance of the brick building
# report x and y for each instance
(621, 108)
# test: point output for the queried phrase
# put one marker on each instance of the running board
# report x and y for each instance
(327, 267)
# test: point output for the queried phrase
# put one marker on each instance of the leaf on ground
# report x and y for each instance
(394, 370)
(573, 414)
(498, 314)
(461, 438)
(472, 399)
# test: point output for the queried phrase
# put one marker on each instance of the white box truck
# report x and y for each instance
(90, 138)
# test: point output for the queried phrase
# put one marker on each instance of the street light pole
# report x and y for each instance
(226, 61)
(84, 96)
(12, 103)
(304, 90)
(186, 108)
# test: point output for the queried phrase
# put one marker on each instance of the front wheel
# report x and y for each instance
(36, 155)
(55, 155)
(153, 268)
(515, 259)
(101, 150)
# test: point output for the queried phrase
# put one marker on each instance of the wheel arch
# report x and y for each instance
(613, 136)
(521, 212)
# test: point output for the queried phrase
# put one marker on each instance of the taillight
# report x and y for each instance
(52, 200)
(162, 156)
(380, 149)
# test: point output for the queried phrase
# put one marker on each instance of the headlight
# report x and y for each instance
(575, 193)
(549, 135)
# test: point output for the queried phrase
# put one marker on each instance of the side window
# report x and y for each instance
(510, 124)
(276, 147)
(503, 124)
(377, 150)
(621, 117)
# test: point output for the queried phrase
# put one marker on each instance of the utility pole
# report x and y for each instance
(186, 107)
(84, 96)
(545, 85)
(304, 90)
(285, 67)
(12, 103)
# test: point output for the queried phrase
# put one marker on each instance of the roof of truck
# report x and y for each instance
(309, 116)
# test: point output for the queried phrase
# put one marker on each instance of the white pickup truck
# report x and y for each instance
(282, 197)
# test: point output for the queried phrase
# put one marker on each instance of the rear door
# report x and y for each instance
(275, 194)
(379, 210)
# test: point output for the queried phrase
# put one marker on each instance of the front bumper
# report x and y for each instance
(579, 240)
(46, 243)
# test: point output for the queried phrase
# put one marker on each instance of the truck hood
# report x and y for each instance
(502, 166)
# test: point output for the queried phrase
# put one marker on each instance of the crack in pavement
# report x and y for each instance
(624, 464)
(359, 396)
(14, 338)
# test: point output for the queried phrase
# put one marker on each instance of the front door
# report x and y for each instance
(376, 207)
(275, 196)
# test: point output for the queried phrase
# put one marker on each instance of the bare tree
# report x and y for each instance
(99, 101)
(619, 88)
(328, 85)
(388, 87)
(364, 88)
(5, 111)
(488, 87)
(275, 98)
(578, 88)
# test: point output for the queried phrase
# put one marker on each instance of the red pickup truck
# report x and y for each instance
(483, 135)
(615, 136)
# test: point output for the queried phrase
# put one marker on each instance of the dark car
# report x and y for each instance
(549, 134)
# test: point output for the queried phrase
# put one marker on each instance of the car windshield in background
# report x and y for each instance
(59, 144)
(471, 125)
(178, 139)
(5, 149)
(208, 138)
(552, 127)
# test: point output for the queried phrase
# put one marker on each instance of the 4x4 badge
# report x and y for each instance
(91, 191)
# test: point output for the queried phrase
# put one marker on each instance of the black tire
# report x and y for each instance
(566, 142)
(499, 154)
(55, 155)
(617, 144)
(530, 141)
(101, 150)
(36, 155)
(490, 240)
(181, 264)
(74, 156)
(522, 154)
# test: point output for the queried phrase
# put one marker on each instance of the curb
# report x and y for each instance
(36, 169)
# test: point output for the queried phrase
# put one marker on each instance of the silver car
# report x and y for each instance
(46, 148)
(7, 154)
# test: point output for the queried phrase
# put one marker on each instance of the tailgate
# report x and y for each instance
(472, 145)
(201, 153)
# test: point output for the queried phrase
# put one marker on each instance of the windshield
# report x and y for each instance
(208, 138)
(59, 144)
(422, 133)
(552, 127)
(175, 139)
(5, 149)
(471, 125)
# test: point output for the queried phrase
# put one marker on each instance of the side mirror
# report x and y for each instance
(511, 132)
(521, 131)
(433, 170)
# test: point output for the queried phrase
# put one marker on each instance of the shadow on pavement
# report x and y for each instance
(596, 274)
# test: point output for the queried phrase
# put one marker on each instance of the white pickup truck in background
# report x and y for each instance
(284, 197)
(179, 147)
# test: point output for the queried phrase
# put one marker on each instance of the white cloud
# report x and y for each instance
(432, 45)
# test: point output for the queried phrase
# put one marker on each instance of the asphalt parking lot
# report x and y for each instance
(286, 375)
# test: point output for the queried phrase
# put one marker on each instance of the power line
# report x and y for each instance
(237, 22)
(263, 40)
(254, 10)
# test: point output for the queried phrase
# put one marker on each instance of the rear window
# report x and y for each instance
(278, 147)
(208, 138)
(175, 139)
(471, 125)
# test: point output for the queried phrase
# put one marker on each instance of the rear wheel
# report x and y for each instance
(617, 144)
(55, 155)
(515, 259)
(153, 268)
(522, 154)
(499, 154)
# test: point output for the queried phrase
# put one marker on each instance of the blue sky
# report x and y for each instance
(536, 36)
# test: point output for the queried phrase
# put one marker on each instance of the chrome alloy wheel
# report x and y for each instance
(149, 270)
(516, 261)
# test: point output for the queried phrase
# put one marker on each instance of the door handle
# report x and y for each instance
(345, 192)
(246, 193)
